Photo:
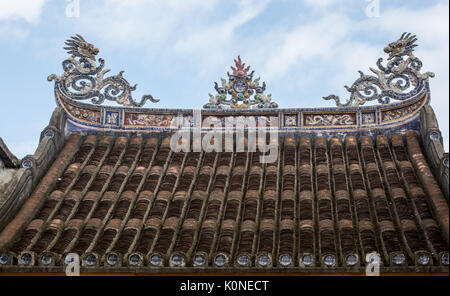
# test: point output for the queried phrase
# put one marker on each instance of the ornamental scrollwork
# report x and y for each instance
(83, 79)
(399, 79)
(241, 87)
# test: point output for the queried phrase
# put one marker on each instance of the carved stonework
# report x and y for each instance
(399, 80)
(241, 87)
(83, 79)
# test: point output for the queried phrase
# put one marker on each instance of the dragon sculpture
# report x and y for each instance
(400, 79)
(83, 79)
(78, 47)
(241, 86)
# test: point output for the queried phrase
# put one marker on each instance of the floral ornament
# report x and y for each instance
(241, 86)
(399, 80)
(83, 79)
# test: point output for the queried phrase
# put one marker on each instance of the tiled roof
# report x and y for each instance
(119, 201)
(7, 159)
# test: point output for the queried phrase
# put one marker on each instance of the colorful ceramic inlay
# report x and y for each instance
(112, 118)
(395, 114)
(290, 120)
(329, 119)
(83, 79)
(248, 106)
(399, 80)
(241, 87)
(150, 120)
(239, 121)
(369, 117)
(83, 114)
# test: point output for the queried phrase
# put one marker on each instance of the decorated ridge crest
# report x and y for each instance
(399, 80)
(83, 79)
(245, 92)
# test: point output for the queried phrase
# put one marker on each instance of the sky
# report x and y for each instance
(176, 49)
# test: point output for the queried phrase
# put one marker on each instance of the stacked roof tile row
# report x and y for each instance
(323, 203)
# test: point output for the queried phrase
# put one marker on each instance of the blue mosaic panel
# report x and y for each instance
(290, 120)
(369, 117)
(112, 118)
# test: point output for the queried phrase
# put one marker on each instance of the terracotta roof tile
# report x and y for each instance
(324, 197)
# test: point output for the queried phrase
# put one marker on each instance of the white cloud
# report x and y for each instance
(29, 10)
(321, 3)
(213, 42)
(202, 38)
(142, 22)
(194, 31)
(10, 32)
(311, 41)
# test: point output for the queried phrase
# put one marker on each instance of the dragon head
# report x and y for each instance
(78, 47)
(403, 46)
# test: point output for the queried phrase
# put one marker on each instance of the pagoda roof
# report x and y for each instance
(348, 185)
(134, 203)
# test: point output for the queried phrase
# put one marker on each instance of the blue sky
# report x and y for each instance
(176, 50)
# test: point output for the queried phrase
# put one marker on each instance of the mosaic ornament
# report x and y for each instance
(329, 119)
(112, 118)
(245, 92)
(83, 79)
(290, 120)
(398, 113)
(399, 80)
(368, 117)
(150, 120)
(238, 121)
(83, 114)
